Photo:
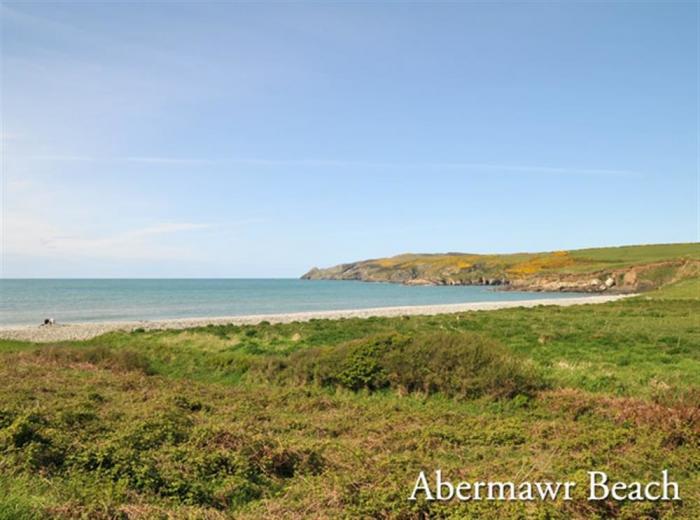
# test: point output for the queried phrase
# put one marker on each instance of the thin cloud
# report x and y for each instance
(32, 236)
(537, 169)
(126, 159)
(327, 163)
(28, 20)
(108, 243)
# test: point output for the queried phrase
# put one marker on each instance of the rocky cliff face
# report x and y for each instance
(542, 277)
(632, 279)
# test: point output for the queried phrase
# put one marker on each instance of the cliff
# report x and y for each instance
(614, 269)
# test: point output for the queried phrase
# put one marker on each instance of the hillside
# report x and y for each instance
(609, 269)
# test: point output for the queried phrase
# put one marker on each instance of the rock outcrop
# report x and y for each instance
(558, 272)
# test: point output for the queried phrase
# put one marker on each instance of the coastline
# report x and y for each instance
(88, 330)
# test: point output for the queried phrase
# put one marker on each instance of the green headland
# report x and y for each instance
(611, 269)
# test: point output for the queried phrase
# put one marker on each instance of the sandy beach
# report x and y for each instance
(80, 331)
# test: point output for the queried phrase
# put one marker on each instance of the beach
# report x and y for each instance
(87, 330)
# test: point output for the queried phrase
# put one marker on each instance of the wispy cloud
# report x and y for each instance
(14, 15)
(537, 169)
(120, 239)
(38, 226)
(35, 237)
(125, 159)
(331, 163)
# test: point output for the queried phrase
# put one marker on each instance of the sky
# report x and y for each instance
(194, 139)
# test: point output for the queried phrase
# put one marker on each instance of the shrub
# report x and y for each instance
(191, 405)
(77, 417)
(120, 360)
(463, 365)
(458, 365)
(43, 455)
(354, 365)
(362, 364)
(171, 427)
(27, 436)
(24, 429)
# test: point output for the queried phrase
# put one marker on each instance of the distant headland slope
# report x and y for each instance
(622, 269)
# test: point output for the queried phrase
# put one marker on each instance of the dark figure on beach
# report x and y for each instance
(49, 321)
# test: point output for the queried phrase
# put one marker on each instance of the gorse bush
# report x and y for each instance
(37, 446)
(464, 365)
(165, 454)
(355, 365)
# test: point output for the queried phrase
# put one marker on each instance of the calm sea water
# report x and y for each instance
(30, 301)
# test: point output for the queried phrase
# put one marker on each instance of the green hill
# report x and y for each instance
(618, 269)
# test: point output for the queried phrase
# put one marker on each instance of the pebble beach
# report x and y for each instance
(82, 331)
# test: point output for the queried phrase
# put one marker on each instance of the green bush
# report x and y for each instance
(362, 364)
(30, 438)
(24, 429)
(464, 365)
(170, 427)
(220, 468)
(460, 365)
(120, 360)
(354, 365)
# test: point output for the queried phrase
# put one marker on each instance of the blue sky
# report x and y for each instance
(258, 140)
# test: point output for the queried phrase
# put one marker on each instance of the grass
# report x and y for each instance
(631, 255)
(683, 290)
(336, 418)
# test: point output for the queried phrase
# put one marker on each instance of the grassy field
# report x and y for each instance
(631, 255)
(336, 418)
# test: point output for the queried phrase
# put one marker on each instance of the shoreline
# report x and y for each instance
(87, 330)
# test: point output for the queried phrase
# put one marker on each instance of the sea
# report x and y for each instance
(29, 301)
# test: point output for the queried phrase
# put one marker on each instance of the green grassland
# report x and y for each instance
(336, 418)
(630, 255)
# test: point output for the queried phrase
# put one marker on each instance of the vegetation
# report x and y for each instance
(336, 418)
(462, 365)
(651, 266)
